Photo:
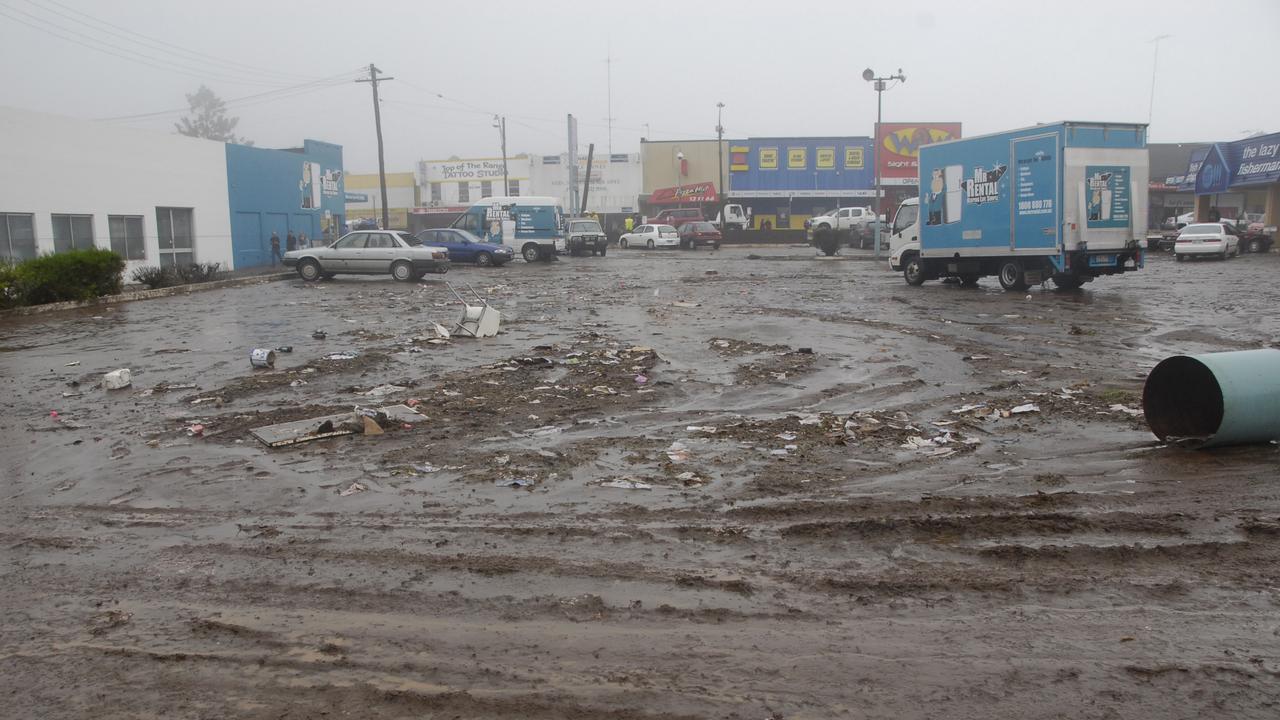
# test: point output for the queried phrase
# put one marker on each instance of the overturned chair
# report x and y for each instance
(477, 320)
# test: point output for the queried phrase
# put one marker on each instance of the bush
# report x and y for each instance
(10, 289)
(70, 275)
(198, 272)
(154, 277)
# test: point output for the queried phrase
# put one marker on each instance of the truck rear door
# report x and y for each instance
(1034, 209)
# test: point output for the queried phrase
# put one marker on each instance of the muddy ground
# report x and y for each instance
(740, 484)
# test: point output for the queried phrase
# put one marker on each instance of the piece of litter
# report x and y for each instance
(626, 484)
(1126, 410)
(780, 452)
(340, 356)
(1027, 408)
(117, 379)
(786, 436)
(425, 468)
(514, 482)
(678, 452)
(381, 390)
(502, 459)
(968, 408)
(352, 489)
(685, 304)
(195, 430)
(297, 383)
(641, 379)
(73, 363)
(708, 429)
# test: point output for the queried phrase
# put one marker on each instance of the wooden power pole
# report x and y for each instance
(373, 81)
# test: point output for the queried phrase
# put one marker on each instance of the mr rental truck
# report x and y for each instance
(532, 226)
(1066, 201)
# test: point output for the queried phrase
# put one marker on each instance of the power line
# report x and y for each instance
(162, 45)
(59, 31)
(269, 95)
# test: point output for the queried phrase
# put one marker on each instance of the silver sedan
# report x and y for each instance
(370, 252)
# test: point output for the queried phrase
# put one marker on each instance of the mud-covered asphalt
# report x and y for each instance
(736, 484)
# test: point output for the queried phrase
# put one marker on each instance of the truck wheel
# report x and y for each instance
(309, 270)
(913, 270)
(531, 252)
(1011, 276)
(402, 271)
(1067, 282)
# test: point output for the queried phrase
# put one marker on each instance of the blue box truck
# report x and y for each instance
(1066, 201)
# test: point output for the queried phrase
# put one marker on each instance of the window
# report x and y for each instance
(486, 188)
(174, 230)
(126, 236)
(464, 192)
(17, 236)
(72, 232)
(353, 241)
(469, 222)
(405, 238)
(436, 194)
(513, 188)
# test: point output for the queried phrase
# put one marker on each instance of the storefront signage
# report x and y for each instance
(825, 158)
(695, 193)
(768, 158)
(826, 167)
(1259, 160)
(357, 197)
(464, 170)
(854, 158)
(898, 148)
(739, 158)
(797, 158)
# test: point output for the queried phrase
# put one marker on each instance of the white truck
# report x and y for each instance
(850, 218)
(734, 218)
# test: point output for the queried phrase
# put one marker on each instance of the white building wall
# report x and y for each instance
(51, 164)
(615, 180)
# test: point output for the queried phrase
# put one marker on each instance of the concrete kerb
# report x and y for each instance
(144, 294)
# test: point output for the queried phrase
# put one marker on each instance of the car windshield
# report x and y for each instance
(700, 226)
(906, 216)
(584, 226)
(664, 229)
(1205, 229)
(413, 241)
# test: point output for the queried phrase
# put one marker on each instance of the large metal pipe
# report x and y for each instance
(1229, 398)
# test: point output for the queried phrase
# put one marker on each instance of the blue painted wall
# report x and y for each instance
(280, 191)
(808, 166)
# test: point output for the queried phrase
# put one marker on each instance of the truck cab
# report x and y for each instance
(734, 218)
(904, 235)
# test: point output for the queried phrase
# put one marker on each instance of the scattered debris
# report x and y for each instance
(352, 489)
(371, 426)
(641, 379)
(381, 390)
(515, 482)
(1025, 408)
(319, 334)
(117, 379)
(195, 430)
(678, 452)
(1133, 412)
(685, 304)
(262, 358)
(341, 356)
(968, 408)
(285, 349)
(626, 484)
(708, 429)
(73, 363)
(476, 321)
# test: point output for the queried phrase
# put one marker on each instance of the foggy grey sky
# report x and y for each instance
(780, 68)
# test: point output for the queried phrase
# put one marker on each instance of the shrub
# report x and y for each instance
(154, 277)
(70, 275)
(10, 288)
(198, 272)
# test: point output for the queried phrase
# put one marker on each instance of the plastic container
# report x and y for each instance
(1229, 398)
(263, 358)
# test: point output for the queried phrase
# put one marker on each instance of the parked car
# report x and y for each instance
(370, 252)
(694, 234)
(650, 236)
(464, 247)
(1220, 240)
(675, 217)
(849, 218)
(585, 234)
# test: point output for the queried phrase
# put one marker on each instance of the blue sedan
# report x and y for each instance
(464, 247)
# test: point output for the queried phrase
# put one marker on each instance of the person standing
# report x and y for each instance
(275, 249)
(291, 242)
(628, 224)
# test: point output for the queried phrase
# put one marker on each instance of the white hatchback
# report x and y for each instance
(1219, 240)
(651, 236)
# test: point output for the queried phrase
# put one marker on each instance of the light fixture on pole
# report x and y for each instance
(870, 76)
(679, 166)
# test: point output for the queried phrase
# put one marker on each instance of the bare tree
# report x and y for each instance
(208, 119)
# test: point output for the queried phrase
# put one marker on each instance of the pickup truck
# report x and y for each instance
(584, 235)
(849, 218)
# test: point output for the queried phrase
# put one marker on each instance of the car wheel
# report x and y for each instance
(622, 243)
(913, 271)
(327, 276)
(402, 271)
(1179, 257)
(531, 252)
(484, 259)
(1255, 246)
(1011, 276)
(649, 244)
(715, 246)
(309, 270)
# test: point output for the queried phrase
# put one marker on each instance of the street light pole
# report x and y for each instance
(679, 158)
(724, 225)
(870, 76)
(501, 124)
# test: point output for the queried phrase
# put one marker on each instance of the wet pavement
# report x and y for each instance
(744, 483)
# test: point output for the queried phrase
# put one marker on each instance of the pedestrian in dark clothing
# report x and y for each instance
(291, 241)
(275, 249)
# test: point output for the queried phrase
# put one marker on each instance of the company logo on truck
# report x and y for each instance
(984, 186)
